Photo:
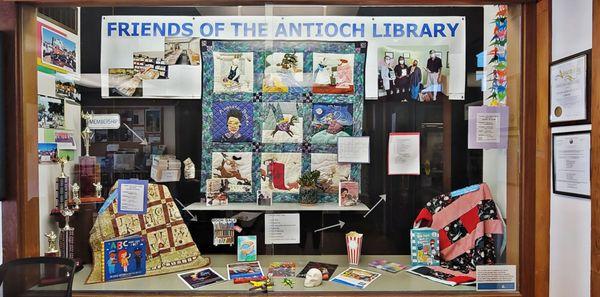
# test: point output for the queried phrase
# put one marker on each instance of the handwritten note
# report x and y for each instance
(282, 228)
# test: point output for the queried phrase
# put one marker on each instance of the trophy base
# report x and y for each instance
(91, 199)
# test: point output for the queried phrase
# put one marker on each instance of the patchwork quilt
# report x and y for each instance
(169, 245)
(273, 110)
(471, 232)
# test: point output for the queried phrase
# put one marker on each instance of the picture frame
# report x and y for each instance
(575, 138)
(566, 110)
(153, 120)
(389, 54)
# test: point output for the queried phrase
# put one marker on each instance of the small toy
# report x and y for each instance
(288, 282)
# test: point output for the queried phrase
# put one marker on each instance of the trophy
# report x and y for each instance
(67, 236)
(75, 200)
(88, 171)
(52, 248)
(62, 188)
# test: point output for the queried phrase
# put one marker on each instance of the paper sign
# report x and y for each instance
(282, 228)
(353, 149)
(496, 278)
(132, 196)
(104, 121)
(404, 153)
(488, 127)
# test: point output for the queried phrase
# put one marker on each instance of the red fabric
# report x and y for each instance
(470, 219)
(444, 240)
(461, 279)
(278, 175)
(424, 218)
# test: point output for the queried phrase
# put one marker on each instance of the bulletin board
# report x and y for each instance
(273, 110)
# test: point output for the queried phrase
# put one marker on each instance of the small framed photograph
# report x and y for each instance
(264, 197)
(389, 55)
(569, 90)
(153, 120)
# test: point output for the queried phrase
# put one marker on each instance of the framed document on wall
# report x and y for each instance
(571, 164)
(569, 90)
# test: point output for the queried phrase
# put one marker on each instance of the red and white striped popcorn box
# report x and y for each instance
(353, 247)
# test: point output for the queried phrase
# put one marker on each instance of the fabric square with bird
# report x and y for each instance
(236, 167)
(282, 122)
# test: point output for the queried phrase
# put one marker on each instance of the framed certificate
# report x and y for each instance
(571, 164)
(569, 90)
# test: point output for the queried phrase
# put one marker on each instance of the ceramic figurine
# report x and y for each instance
(314, 278)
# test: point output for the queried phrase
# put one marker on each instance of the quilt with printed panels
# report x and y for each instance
(273, 110)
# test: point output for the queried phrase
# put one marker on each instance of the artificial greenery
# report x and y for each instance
(309, 178)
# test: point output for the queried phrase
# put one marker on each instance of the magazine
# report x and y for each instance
(356, 277)
(200, 278)
(282, 269)
(326, 269)
(387, 266)
(244, 269)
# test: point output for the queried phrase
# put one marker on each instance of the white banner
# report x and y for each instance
(159, 56)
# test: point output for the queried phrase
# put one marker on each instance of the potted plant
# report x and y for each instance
(308, 187)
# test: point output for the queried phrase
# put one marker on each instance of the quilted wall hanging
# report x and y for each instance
(273, 110)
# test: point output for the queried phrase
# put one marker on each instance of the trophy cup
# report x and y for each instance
(88, 171)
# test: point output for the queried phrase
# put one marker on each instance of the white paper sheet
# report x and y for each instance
(404, 154)
(282, 228)
(353, 149)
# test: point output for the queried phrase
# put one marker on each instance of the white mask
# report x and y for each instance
(314, 278)
(401, 62)
(432, 55)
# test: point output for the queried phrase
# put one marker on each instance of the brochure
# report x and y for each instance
(356, 277)
(244, 269)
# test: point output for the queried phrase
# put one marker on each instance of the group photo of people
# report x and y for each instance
(415, 73)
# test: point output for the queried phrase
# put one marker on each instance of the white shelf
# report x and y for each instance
(281, 206)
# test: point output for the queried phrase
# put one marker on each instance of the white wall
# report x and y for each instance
(570, 218)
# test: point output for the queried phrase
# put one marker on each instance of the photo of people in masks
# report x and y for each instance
(416, 73)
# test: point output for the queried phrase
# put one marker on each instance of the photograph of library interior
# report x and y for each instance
(300, 148)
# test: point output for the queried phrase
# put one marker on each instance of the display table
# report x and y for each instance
(171, 284)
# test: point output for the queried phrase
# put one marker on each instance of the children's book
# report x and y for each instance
(424, 247)
(246, 248)
(200, 278)
(387, 266)
(244, 270)
(282, 269)
(124, 257)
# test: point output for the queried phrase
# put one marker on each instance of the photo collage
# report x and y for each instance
(150, 66)
(272, 114)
